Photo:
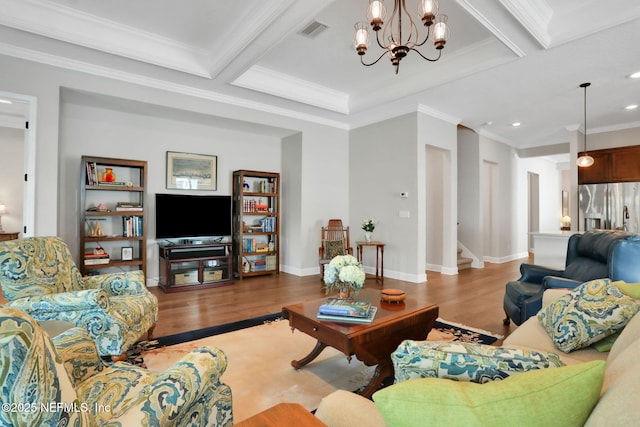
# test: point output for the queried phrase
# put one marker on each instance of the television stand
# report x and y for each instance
(195, 266)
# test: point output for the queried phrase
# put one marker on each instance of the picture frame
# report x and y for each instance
(126, 253)
(187, 171)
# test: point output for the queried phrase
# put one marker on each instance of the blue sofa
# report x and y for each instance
(592, 255)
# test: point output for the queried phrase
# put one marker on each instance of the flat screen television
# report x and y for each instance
(184, 215)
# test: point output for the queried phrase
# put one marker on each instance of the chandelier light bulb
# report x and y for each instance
(428, 9)
(377, 14)
(361, 39)
(440, 31)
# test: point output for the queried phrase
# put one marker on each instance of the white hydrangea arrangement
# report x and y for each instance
(344, 272)
(368, 225)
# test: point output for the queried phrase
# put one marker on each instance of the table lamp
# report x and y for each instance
(3, 210)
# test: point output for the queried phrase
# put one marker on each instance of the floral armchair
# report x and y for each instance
(68, 376)
(38, 276)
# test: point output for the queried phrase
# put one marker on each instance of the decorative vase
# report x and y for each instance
(344, 292)
(109, 176)
(367, 235)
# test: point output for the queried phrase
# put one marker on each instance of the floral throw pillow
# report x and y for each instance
(589, 313)
(465, 361)
(333, 248)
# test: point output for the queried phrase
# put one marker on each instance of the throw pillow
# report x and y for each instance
(587, 314)
(333, 248)
(605, 344)
(465, 361)
(631, 289)
(560, 397)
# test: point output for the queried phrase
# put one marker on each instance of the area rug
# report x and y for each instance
(259, 368)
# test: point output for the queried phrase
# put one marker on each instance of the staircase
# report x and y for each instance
(463, 262)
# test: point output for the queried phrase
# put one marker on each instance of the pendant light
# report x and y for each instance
(585, 160)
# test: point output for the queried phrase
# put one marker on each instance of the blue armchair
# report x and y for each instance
(68, 376)
(38, 276)
(592, 255)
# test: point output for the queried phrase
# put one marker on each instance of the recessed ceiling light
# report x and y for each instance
(635, 75)
(631, 107)
(5, 101)
(516, 124)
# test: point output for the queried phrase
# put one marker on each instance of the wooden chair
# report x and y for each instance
(335, 241)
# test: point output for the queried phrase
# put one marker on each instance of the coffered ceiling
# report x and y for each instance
(506, 60)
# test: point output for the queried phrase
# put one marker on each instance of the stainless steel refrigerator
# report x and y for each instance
(613, 206)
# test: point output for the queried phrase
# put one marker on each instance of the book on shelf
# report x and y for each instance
(128, 206)
(112, 183)
(345, 307)
(96, 261)
(94, 255)
(350, 319)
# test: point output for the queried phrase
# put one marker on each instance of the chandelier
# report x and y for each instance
(585, 160)
(400, 34)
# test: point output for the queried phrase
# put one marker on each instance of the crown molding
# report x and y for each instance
(96, 70)
(265, 80)
(438, 114)
(489, 25)
(534, 15)
(56, 21)
(253, 22)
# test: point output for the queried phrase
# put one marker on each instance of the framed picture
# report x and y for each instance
(126, 253)
(191, 171)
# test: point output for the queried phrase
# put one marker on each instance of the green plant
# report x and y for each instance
(368, 225)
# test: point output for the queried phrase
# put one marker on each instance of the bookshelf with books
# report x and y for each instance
(112, 214)
(256, 223)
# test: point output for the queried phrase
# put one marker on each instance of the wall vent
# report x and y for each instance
(313, 29)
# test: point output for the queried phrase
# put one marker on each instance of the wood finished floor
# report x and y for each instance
(473, 297)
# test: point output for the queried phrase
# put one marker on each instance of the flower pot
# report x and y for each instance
(367, 236)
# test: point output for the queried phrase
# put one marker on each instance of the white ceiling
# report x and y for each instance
(506, 60)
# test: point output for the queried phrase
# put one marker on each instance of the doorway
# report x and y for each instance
(18, 169)
(437, 165)
(490, 212)
(533, 181)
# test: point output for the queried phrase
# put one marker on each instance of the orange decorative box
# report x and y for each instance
(392, 295)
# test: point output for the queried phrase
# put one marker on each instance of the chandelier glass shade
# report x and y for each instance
(584, 160)
(400, 34)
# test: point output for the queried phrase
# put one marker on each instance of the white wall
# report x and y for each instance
(469, 192)
(440, 137)
(502, 156)
(12, 177)
(388, 158)
(384, 163)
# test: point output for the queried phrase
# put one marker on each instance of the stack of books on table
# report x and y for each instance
(347, 311)
(91, 258)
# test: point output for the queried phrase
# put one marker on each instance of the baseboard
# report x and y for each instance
(501, 260)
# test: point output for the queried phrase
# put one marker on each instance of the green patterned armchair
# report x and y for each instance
(38, 276)
(64, 382)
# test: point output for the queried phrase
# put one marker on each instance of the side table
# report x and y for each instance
(4, 236)
(379, 256)
(283, 414)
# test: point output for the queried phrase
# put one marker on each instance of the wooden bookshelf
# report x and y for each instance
(122, 223)
(256, 223)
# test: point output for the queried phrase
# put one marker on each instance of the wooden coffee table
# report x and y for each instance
(371, 343)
